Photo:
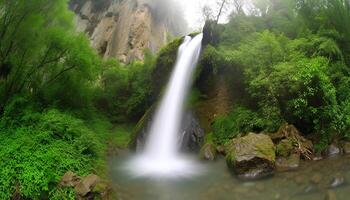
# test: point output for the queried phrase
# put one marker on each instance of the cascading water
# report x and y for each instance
(161, 155)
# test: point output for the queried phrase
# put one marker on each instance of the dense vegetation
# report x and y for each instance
(59, 99)
(286, 61)
(291, 60)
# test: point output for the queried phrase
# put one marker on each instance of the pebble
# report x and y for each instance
(333, 150)
(337, 181)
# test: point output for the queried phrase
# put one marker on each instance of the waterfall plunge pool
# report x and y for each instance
(311, 181)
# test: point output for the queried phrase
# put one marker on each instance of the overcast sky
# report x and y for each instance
(192, 11)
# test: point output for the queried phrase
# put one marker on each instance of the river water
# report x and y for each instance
(312, 180)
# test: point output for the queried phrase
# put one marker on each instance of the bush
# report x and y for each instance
(38, 149)
(240, 121)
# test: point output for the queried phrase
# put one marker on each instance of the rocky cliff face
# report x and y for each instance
(125, 28)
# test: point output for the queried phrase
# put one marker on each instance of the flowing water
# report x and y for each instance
(312, 181)
(161, 157)
(162, 173)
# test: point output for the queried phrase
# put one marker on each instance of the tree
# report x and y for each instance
(39, 47)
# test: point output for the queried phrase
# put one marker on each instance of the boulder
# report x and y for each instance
(192, 135)
(333, 150)
(252, 156)
(284, 148)
(69, 179)
(86, 185)
(208, 152)
(346, 148)
(301, 144)
(287, 164)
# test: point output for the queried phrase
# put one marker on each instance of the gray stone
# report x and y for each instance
(333, 150)
(287, 164)
(208, 152)
(252, 156)
(86, 185)
(337, 182)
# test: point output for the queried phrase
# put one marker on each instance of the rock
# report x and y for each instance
(346, 148)
(69, 179)
(208, 152)
(252, 156)
(301, 144)
(337, 181)
(192, 133)
(287, 164)
(125, 29)
(309, 189)
(284, 148)
(86, 185)
(331, 195)
(333, 150)
(316, 178)
(221, 150)
(103, 189)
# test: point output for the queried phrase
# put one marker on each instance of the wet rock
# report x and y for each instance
(287, 164)
(210, 33)
(221, 150)
(346, 148)
(331, 195)
(309, 189)
(333, 150)
(300, 144)
(69, 179)
(103, 190)
(337, 182)
(86, 185)
(191, 132)
(252, 156)
(284, 148)
(208, 152)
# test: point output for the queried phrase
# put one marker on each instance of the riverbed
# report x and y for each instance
(313, 180)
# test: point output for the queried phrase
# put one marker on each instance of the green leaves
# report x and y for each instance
(35, 154)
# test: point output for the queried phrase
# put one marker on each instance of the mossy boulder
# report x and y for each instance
(284, 148)
(208, 152)
(252, 156)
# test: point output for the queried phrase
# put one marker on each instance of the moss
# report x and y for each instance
(284, 148)
(164, 65)
(122, 135)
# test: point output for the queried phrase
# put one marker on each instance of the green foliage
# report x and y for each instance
(122, 135)
(38, 148)
(42, 54)
(125, 92)
(290, 62)
(240, 121)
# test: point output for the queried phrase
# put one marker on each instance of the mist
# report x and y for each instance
(169, 12)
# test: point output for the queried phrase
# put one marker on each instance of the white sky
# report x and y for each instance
(192, 11)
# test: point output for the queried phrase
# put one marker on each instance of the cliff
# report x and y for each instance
(125, 28)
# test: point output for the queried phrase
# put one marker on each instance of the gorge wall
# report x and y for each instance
(123, 29)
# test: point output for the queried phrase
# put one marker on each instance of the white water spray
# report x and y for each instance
(161, 157)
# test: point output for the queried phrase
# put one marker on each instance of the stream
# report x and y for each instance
(313, 180)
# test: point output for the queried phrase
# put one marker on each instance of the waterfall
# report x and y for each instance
(161, 156)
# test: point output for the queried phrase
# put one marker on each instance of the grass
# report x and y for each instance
(121, 135)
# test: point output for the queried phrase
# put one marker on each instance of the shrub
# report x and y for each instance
(39, 148)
